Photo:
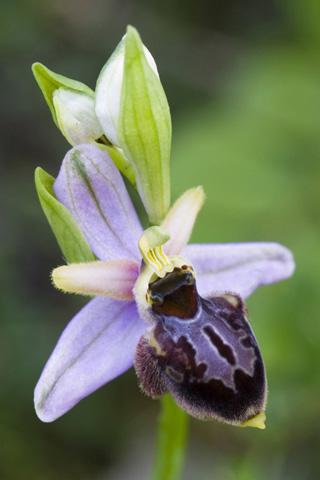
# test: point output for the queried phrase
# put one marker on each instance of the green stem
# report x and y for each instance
(171, 442)
(119, 159)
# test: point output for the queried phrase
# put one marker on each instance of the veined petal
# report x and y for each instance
(114, 279)
(96, 346)
(238, 267)
(92, 189)
(180, 219)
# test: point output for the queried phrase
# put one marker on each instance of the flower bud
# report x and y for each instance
(108, 90)
(49, 82)
(72, 107)
(133, 111)
(76, 117)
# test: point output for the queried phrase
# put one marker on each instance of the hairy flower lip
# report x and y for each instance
(100, 341)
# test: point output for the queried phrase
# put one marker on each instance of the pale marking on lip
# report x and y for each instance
(154, 344)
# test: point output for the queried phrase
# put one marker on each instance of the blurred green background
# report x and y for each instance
(243, 82)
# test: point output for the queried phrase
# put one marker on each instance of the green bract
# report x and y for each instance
(144, 128)
(71, 240)
(134, 114)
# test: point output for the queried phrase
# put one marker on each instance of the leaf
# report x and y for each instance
(71, 240)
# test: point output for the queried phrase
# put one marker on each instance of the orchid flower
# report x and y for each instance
(173, 310)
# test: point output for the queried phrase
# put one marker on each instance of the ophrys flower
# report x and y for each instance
(200, 349)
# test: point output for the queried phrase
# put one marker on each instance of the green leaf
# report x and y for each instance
(49, 81)
(144, 128)
(71, 240)
(171, 444)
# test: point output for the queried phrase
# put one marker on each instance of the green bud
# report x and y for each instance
(134, 114)
(144, 128)
(49, 82)
(76, 116)
(72, 105)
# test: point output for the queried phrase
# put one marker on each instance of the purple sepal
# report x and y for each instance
(91, 187)
(96, 346)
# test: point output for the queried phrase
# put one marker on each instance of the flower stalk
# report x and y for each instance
(171, 442)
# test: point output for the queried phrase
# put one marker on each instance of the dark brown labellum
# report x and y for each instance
(202, 351)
